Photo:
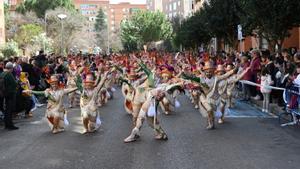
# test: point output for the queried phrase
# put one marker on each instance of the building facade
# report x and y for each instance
(115, 13)
(155, 5)
(172, 8)
(2, 23)
(121, 11)
(255, 42)
(90, 8)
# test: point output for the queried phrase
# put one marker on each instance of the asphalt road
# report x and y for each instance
(241, 143)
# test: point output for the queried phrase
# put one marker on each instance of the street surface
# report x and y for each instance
(248, 140)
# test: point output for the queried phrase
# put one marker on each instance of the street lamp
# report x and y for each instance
(62, 17)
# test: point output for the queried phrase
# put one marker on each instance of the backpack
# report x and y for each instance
(2, 86)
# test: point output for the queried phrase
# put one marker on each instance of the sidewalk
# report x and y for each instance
(274, 108)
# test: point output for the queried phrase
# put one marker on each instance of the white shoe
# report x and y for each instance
(39, 105)
(84, 131)
(220, 121)
(33, 109)
(133, 136)
(257, 97)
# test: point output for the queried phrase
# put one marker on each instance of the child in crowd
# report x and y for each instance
(24, 83)
(265, 81)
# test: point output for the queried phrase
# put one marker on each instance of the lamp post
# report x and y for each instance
(62, 17)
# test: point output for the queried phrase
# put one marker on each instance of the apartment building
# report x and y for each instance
(172, 8)
(121, 11)
(115, 13)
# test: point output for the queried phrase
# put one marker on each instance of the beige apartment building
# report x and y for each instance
(115, 12)
(172, 8)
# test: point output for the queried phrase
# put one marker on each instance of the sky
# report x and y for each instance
(131, 1)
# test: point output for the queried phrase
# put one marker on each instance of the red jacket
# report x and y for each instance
(255, 66)
(248, 75)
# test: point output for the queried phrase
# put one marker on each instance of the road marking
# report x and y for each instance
(241, 116)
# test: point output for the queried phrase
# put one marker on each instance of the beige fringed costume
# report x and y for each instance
(55, 111)
(88, 104)
(208, 99)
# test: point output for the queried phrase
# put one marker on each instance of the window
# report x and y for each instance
(84, 12)
(174, 6)
(170, 7)
(178, 3)
(88, 6)
(92, 18)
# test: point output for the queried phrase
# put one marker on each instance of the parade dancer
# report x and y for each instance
(225, 86)
(170, 100)
(148, 111)
(72, 73)
(88, 103)
(55, 112)
(166, 76)
(139, 95)
(209, 92)
(208, 99)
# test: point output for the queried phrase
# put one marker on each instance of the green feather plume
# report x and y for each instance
(78, 82)
(125, 81)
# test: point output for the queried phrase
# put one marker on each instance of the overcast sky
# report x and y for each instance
(131, 1)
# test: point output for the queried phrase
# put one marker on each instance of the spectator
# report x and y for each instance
(35, 77)
(1, 98)
(1, 65)
(278, 80)
(41, 59)
(10, 95)
(255, 68)
(17, 67)
(272, 70)
(265, 81)
(246, 88)
(288, 61)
